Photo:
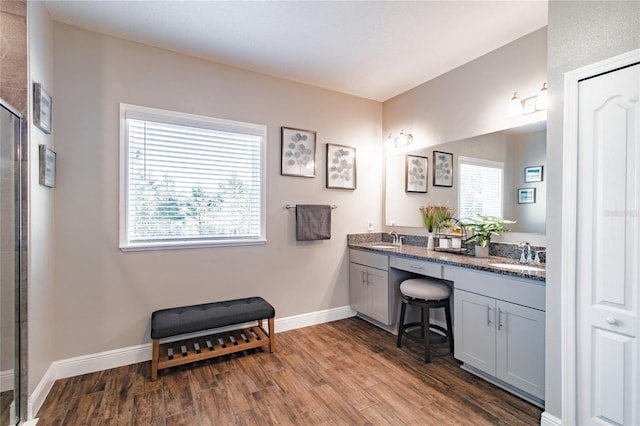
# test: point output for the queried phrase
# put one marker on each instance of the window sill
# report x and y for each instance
(190, 245)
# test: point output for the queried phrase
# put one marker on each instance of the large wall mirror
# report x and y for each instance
(521, 151)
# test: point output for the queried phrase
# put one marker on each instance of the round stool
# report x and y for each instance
(427, 293)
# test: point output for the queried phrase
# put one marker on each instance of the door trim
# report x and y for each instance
(568, 282)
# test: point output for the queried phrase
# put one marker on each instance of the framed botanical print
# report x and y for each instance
(442, 168)
(415, 174)
(341, 167)
(298, 152)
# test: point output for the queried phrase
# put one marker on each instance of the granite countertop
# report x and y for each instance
(454, 259)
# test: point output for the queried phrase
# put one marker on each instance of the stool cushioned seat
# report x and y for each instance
(424, 288)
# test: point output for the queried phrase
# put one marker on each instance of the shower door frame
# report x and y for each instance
(21, 180)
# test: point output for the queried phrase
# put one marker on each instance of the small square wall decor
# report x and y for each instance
(47, 166)
(526, 195)
(41, 108)
(533, 174)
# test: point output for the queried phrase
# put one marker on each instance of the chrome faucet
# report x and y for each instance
(397, 240)
(525, 256)
(536, 261)
(394, 234)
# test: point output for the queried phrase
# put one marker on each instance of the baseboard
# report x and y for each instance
(76, 366)
(7, 380)
(36, 399)
(549, 420)
(313, 318)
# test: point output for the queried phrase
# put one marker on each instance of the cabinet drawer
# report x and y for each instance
(378, 261)
(429, 269)
(511, 289)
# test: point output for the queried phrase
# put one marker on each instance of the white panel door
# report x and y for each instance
(378, 294)
(474, 330)
(358, 287)
(520, 347)
(608, 249)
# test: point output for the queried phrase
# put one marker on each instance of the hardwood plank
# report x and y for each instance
(212, 408)
(407, 407)
(338, 408)
(118, 395)
(294, 390)
(279, 411)
(382, 414)
(232, 387)
(148, 407)
(185, 418)
(84, 409)
(342, 372)
(119, 420)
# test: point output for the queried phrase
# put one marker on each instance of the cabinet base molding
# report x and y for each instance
(491, 379)
(393, 328)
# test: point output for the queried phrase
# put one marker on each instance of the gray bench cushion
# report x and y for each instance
(188, 319)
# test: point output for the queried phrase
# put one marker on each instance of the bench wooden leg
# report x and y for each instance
(155, 356)
(272, 336)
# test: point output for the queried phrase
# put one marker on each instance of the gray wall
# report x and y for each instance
(579, 33)
(109, 294)
(41, 201)
(471, 100)
(526, 150)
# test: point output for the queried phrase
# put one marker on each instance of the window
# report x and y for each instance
(189, 181)
(480, 187)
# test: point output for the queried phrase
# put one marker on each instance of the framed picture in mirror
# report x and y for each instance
(442, 168)
(533, 174)
(415, 174)
(526, 195)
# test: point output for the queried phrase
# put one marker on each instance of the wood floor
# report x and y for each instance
(345, 372)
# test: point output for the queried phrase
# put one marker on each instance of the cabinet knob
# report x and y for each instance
(611, 320)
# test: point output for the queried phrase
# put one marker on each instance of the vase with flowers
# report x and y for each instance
(432, 216)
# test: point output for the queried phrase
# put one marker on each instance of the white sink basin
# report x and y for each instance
(384, 246)
(515, 267)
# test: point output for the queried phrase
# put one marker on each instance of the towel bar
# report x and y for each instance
(293, 206)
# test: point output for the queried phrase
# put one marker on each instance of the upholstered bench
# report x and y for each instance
(167, 323)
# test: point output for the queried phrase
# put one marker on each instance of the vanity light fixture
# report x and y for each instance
(400, 141)
(515, 105)
(541, 100)
(518, 106)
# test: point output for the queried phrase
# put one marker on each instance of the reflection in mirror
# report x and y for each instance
(516, 149)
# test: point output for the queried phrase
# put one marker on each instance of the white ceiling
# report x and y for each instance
(371, 49)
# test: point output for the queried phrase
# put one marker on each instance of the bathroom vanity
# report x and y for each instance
(498, 307)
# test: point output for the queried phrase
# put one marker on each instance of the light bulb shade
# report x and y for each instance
(541, 100)
(403, 139)
(515, 106)
(389, 142)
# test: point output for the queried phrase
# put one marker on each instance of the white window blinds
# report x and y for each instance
(481, 191)
(191, 180)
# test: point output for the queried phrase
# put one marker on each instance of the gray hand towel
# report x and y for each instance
(313, 222)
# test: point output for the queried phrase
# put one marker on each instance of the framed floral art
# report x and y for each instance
(341, 167)
(298, 152)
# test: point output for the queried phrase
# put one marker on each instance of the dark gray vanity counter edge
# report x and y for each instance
(366, 241)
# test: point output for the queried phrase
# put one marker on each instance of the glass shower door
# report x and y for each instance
(10, 249)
